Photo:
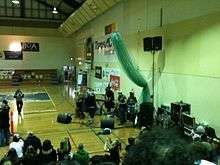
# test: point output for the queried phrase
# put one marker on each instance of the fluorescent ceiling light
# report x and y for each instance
(54, 10)
(15, 1)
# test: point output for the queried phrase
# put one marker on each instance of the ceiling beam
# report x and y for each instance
(22, 8)
(51, 6)
(73, 4)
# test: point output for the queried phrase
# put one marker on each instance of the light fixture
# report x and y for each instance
(54, 10)
(15, 1)
(15, 46)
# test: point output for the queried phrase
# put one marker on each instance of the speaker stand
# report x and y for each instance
(153, 66)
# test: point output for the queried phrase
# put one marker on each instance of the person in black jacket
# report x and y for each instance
(30, 156)
(34, 141)
(146, 115)
(109, 99)
(131, 102)
(122, 106)
(5, 119)
(19, 102)
(48, 153)
(90, 105)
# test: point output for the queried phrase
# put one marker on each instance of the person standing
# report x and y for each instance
(19, 102)
(81, 156)
(122, 108)
(90, 105)
(131, 102)
(109, 99)
(5, 119)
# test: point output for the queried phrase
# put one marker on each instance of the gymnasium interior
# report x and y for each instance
(163, 54)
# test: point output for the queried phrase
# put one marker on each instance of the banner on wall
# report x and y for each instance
(115, 82)
(13, 55)
(110, 28)
(108, 74)
(98, 72)
(30, 46)
(110, 71)
(99, 87)
(89, 49)
(104, 50)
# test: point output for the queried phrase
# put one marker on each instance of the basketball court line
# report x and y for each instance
(49, 97)
(39, 111)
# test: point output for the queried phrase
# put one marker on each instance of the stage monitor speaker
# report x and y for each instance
(108, 123)
(157, 43)
(64, 118)
(148, 44)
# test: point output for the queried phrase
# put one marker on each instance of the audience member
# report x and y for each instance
(32, 140)
(131, 142)
(155, 147)
(114, 150)
(30, 156)
(65, 148)
(11, 156)
(5, 121)
(47, 154)
(68, 161)
(17, 144)
(81, 155)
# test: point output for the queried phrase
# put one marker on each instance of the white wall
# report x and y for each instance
(188, 67)
(55, 51)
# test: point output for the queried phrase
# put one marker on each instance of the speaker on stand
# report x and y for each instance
(153, 44)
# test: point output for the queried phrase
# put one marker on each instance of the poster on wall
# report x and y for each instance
(13, 55)
(98, 72)
(115, 82)
(110, 28)
(30, 46)
(104, 50)
(99, 87)
(89, 49)
(110, 71)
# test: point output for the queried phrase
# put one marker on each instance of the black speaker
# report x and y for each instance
(157, 43)
(177, 108)
(64, 118)
(108, 123)
(148, 43)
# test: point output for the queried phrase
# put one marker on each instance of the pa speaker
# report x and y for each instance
(64, 118)
(157, 43)
(148, 43)
(107, 123)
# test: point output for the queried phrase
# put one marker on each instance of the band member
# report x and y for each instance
(90, 105)
(122, 106)
(109, 99)
(132, 111)
(19, 101)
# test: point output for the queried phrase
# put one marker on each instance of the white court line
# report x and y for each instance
(50, 97)
(40, 111)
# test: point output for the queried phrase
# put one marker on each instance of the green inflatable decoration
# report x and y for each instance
(129, 65)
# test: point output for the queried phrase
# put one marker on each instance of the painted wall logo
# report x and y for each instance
(30, 46)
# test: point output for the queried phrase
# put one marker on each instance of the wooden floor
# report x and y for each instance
(40, 118)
